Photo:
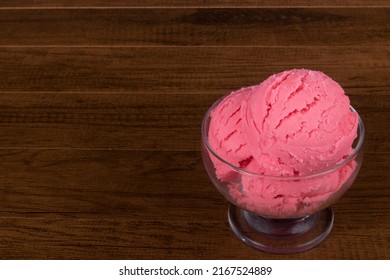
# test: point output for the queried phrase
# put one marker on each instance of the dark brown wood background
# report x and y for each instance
(100, 113)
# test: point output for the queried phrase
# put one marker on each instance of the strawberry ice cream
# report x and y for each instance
(294, 124)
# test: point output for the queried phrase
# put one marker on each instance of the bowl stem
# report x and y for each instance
(281, 235)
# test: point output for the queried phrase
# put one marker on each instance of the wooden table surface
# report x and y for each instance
(100, 113)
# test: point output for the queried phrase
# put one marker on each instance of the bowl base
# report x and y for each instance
(281, 236)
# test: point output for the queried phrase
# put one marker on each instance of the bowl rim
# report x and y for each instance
(360, 137)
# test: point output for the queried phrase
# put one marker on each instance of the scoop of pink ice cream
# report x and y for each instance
(295, 123)
(299, 122)
(226, 132)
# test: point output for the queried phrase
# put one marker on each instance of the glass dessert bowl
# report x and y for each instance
(281, 214)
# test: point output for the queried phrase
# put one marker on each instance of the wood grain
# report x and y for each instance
(61, 238)
(66, 182)
(137, 121)
(197, 26)
(24, 189)
(38, 206)
(190, 3)
(118, 98)
(101, 105)
(169, 70)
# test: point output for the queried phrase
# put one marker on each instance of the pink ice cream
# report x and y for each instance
(295, 123)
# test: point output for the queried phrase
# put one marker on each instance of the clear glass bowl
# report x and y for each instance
(281, 214)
